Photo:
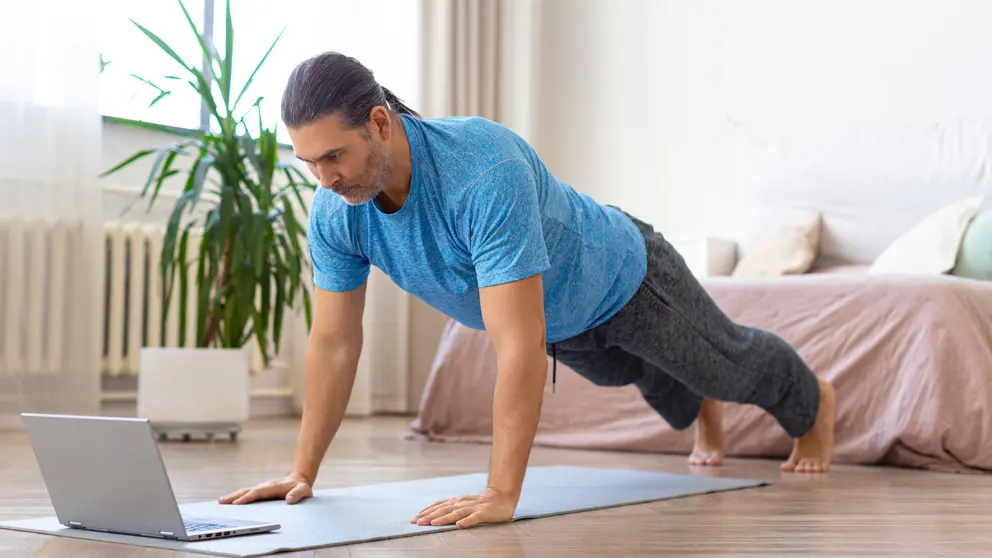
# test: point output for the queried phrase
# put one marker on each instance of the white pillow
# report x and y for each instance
(931, 247)
(791, 250)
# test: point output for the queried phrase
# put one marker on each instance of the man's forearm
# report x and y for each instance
(330, 375)
(516, 414)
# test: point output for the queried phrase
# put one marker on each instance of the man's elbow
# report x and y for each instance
(341, 342)
(525, 355)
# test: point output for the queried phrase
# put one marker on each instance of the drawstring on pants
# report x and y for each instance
(554, 367)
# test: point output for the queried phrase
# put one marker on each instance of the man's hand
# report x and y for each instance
(332, 360)
(293, 488)
(514, 318)
(489, 507)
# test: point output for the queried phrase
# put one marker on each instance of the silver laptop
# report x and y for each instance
(106, 474)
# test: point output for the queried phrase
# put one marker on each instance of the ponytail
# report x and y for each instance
(334, 83)
(396, 104)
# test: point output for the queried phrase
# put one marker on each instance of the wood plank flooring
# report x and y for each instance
(852, 511)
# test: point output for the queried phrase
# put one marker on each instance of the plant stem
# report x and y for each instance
(210, 329)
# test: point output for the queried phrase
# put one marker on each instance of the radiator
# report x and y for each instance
(135, 298)
(36, 264)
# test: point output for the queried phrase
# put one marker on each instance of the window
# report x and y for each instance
(126, 51)
(383, 34)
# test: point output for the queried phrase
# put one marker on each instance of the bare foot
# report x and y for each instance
(709, 435)
(812, 452)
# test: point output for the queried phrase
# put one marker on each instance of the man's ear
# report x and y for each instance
(380, 122)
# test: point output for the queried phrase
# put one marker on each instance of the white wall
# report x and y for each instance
(635, 97)
(849, 59)
(625, 99)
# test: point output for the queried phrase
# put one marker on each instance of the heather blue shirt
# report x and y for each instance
(482, 210)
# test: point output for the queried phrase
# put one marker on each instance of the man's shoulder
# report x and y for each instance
(469, 150)
(331, 220)
(326, 206)
(472, 143)
(467, 128)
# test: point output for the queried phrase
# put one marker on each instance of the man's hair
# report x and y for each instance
(332, 83)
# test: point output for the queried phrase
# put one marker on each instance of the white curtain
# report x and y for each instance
(478, 58)
(50, 219)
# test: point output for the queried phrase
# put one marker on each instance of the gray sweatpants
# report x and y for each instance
(674, 343)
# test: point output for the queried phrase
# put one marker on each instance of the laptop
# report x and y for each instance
(106, 474)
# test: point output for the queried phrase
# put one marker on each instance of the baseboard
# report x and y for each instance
(390, 404)
(260, 407)
(271, 396)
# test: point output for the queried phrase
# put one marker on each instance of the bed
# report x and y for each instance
(909, 353)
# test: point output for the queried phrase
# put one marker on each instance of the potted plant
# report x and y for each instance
(239, 222)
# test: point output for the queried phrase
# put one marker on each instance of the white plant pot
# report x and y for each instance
(193, 387)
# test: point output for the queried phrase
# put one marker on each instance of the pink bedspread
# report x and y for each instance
(911, 359)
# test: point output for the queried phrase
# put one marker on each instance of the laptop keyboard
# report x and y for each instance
(192, 526)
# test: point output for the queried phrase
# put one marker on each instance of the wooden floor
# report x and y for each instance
(851, 511)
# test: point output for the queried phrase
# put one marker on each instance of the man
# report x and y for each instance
(462, 213)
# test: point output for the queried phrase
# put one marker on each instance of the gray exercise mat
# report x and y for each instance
(381, 511)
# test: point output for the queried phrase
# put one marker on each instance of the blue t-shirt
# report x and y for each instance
(482, 210)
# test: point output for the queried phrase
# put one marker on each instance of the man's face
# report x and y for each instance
(354, 163)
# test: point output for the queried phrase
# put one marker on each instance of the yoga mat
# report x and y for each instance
(380, 511)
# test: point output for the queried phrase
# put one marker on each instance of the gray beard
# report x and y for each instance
(380, 168)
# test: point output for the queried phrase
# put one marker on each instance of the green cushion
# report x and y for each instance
(975, 254)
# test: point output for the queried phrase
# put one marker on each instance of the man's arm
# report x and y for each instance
(333, 351)
(505, 234)
(514, 317)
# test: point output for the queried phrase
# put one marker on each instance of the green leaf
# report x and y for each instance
(160, 96)
(261, 320)
(280, 305)
(258, 67)
(208, 53)
(291, 258)
(259, 228)
(202, 87)
(169, 260)
(153, 127)
(209, 304)
(167, 171)
(183, 282)
(202, 288)
(162, 44)
(139, 155)
(307, 307)
(162, 93)
(294, 187)
(202, 166)
(228, 67)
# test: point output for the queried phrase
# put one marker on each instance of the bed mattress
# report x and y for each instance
(910, 357)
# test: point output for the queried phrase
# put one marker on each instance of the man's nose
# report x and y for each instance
(328, 179)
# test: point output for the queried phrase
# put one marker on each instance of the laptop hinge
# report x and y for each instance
(75, 524)
(168, 534)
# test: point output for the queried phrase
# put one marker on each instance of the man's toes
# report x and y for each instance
(810, 466)
(707, 459)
